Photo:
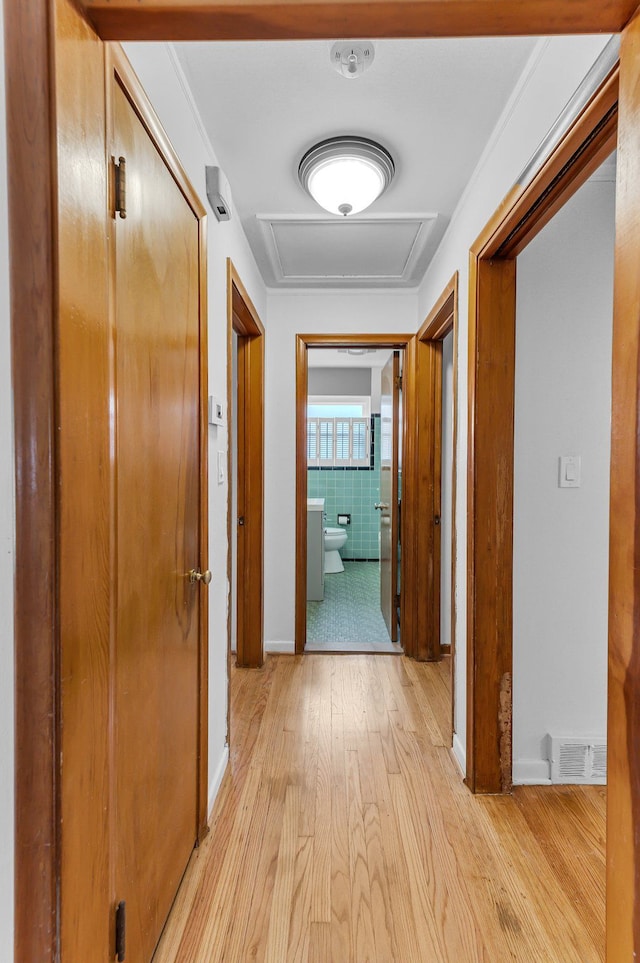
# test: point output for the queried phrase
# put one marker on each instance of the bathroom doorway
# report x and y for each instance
(349, 486)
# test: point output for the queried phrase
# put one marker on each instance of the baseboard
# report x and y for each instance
(459, 753)
(216, 779)
(280, 648)
(531, 772)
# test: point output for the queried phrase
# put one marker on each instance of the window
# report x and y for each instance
(338, 432)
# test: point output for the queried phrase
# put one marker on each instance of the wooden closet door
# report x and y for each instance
(157, 533)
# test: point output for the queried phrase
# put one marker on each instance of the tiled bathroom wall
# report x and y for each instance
(352, 491)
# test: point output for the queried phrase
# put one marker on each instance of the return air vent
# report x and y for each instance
(578, 760)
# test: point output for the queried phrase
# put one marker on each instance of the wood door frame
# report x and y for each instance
(395, 509)
(441, 321)
(303, 343)
(243, 319)
(424, 375)
(492, 318)
(273, 20)
(35, 316)
(30, 48)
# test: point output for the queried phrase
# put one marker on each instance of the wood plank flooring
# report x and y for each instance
(343, 834)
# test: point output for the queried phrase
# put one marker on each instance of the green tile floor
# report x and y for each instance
(349, 618)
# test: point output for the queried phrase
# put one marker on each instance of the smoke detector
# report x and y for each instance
(351, 58)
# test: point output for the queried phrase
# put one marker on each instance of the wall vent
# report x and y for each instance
(578, 760)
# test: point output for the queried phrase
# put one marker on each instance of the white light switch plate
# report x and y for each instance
(216, 411)
(221, 467)
(570, 471)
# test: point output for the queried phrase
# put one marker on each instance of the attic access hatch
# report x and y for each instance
(578, 760)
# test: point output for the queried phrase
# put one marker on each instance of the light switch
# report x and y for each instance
(569, 471)
(216, 411)
(221, 467)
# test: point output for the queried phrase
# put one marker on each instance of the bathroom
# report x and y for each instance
(346, 439)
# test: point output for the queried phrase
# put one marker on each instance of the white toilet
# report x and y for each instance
(334, 540)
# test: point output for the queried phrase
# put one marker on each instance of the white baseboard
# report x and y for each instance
(459, 753)
(216, 779)
(531, 772)
(281, 648)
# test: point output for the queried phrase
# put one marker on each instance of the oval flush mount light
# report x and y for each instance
(345, 175)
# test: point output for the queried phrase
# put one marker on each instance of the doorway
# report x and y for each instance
(353, 431)
(245, 471)
(564, 308)
(304, 478)
(436, 363)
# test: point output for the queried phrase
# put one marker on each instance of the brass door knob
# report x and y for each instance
(196, 576)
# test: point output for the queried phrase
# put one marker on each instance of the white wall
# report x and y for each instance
(561, 535)
(340, 381)
(554, 71)
(7, 514)
(163, 81)
(288, 315)
(446, 520)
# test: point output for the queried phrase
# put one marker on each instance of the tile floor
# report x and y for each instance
(349, 618)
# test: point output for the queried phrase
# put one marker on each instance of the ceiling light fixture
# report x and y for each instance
(345, 175)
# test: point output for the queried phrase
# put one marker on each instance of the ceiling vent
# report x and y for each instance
(578, 760)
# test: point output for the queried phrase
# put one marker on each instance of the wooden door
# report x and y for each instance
(389, 419)
(156, 257)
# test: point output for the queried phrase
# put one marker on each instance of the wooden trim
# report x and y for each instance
(302, 378)
(32, 166)
(394, 509)
(243, 318)
(623, 793)
(409, 584)
(492, 319)
(203, 668)
(440, 320)
(137, 97)
(526, 210)
(361, 340)
(303, 343)
(454, 501)
(422, 500)
(270, 20)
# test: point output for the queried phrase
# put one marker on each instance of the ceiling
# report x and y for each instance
(340, 358)
(432, 103)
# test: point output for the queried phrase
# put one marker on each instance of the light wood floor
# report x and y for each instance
(343, 834)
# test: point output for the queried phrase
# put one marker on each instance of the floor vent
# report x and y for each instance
(578, 760)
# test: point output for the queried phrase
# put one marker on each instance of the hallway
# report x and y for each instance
(342, 832)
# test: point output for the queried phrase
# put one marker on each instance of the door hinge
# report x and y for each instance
(121, 931)
(120, 187)
(397, 601)
(399, 382)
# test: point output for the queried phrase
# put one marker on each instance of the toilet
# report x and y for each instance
(334, 540)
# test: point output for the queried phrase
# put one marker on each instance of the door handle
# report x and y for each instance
(195, 575)
(380, 506)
